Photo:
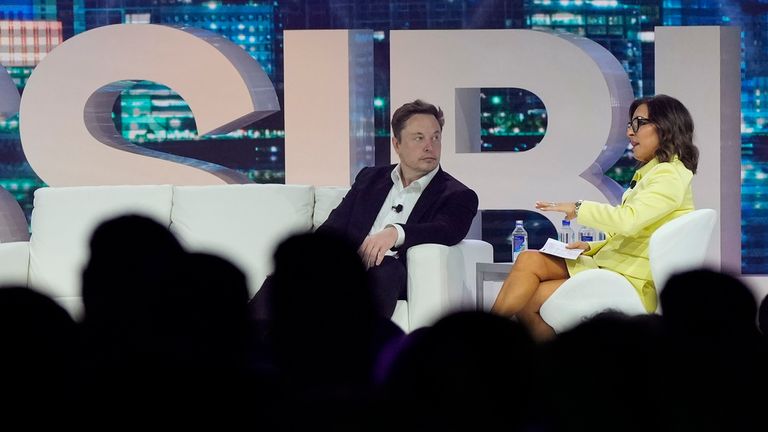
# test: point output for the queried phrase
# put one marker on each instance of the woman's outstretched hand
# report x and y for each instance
(578, 245)
(569, 208)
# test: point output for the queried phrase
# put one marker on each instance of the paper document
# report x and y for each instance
(557, 248)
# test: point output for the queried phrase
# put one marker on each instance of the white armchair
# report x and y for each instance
(678, 245)
(441, 280)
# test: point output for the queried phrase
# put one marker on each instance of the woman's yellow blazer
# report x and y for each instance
(661, 193)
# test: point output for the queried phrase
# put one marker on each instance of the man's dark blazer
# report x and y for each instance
(443, 213)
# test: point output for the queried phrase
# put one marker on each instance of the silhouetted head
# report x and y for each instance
(212, 312)
(762, 316)
(34, 330)
(40, 351)
(129, 284)
(323, 313)
(716, 355)
(470, 368)
(590, 374)
(709, 304)
(129, 255)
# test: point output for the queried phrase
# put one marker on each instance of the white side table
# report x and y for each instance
(489, 272)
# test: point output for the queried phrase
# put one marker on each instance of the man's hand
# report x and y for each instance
(375, 246)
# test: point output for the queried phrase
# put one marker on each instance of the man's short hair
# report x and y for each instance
(401, 116)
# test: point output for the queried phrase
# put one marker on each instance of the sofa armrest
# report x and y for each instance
(14, 263)
(441, 279)
(474, 251)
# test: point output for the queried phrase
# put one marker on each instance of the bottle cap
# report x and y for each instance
(566, 222)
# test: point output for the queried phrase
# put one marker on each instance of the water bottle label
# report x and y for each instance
(519, 243)
(586, 237)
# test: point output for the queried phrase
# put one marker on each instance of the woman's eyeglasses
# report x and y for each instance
(637, 122)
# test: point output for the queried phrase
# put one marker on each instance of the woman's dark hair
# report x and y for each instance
(674, 126)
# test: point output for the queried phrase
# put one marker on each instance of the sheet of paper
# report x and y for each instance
(557, 248)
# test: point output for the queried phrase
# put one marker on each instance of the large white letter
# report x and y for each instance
(700, 66)
(328, 105)
(65, 121)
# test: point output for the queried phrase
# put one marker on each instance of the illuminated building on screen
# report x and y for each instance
(23, 44)
(26, 43)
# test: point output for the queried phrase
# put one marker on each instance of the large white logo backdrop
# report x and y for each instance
(69, 139)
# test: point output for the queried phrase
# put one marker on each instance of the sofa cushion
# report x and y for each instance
(327, 198)
(64, 219)
(243, 223)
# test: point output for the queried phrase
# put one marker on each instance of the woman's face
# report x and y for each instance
(645, 141)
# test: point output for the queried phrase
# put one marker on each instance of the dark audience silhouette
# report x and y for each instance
(129, 287)
(324, 332)
(716, 357)
(762, 317)
(602, 376)
(214, 306)
(167, 333)
(470, 371)
(163, 329)
(39, 355)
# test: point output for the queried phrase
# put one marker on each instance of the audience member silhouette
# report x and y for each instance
(210, 330)
(165, 329)
(39, 359)
(716, 356)
(132, 292)
(129, 291)
(470, 371)
(601, 375)
(324, 332)
(762, 317)
(213, 313)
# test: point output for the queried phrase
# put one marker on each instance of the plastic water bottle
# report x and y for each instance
(586, 234)
(519, 239)
(600, 236)
(566, 234)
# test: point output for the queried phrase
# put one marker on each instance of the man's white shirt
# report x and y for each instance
(404, 196)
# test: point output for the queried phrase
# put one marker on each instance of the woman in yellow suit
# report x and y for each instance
(660, 131)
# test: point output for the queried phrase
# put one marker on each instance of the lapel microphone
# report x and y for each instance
(398, 208)
(632, 184)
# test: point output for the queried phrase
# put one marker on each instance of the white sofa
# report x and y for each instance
(243, 223)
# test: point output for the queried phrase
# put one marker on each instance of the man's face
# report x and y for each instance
(418, 146)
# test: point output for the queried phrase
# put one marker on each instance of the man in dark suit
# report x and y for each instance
(391, 208)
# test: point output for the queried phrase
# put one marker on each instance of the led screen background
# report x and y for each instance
(154, 116)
